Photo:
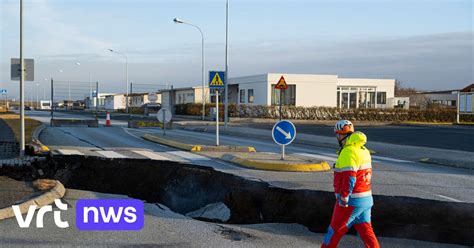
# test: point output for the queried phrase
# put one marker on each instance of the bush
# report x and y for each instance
(328, 113)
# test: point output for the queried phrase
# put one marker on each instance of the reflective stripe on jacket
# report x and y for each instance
(353, 172)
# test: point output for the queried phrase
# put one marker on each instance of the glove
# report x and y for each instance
(343, 202)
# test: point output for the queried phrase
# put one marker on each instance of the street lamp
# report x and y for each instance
(178, 21)
(126, 76)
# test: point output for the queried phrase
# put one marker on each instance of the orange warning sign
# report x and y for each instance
(281, 85)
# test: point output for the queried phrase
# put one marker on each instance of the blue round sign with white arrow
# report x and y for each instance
(284, 132)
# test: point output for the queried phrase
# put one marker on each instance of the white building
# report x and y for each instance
(309, 90)
(139, 99)
(114, 102)
(91, 103)
(170, 97)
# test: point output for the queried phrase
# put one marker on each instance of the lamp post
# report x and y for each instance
(226, 76)
(178, 21)
(126, 76)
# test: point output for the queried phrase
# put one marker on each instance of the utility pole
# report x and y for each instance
(22, 87)
(226, 76)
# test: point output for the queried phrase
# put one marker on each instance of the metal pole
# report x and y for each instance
(52, 99)
(457, 108)
(90, 86)
(97, 98)
(217, 117)
(282, 152)
(203, 99)
(281, 97)
(22, 86)
(126, 75)
(164, 122)
(226, 76)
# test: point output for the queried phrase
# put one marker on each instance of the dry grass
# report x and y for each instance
(13, 120)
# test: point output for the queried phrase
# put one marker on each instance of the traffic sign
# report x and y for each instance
(281, 85)
(3, 91)
(16, 69)
(284, 132)
(164, 115)
(217, 80)
(152, 97)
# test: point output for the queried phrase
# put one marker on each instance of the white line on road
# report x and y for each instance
(69, 152)
(327, 158)
(111, 154)
(188, 155)
(391, 159)
(448, 198)
(151, 155)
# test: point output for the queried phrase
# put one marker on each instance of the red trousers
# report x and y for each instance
(343, 218)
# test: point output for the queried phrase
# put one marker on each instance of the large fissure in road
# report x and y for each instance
(185, 188)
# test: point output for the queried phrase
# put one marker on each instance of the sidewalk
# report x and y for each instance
(13, 192)
(451, 158)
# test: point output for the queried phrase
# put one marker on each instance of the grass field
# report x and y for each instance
(13, 120)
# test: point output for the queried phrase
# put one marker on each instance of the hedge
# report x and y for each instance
(327, 113)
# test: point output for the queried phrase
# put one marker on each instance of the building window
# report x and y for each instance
(250, 96)
(288, 95)
(381, 97)
(242, 96)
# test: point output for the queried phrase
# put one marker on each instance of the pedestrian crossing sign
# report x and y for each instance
(281, 85)
(216, 80)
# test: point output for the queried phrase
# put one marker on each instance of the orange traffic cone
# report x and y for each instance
(107, 120)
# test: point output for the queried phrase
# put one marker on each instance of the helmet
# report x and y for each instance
(343, 127)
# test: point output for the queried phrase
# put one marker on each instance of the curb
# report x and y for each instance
(314, 167)
(57, 192)
(41, 149)
(197, 148)
(469, 166)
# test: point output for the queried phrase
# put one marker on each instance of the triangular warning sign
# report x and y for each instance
(216, 81)
(281, 85)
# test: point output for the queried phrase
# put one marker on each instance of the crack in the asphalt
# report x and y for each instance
(81, 139)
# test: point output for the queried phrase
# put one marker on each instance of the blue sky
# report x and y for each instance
(425, 44)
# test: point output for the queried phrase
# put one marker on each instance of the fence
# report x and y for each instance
(73, 95)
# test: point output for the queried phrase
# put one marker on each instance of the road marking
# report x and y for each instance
(111, 154)
(391, 159)
(323, 157)
(188, 155)
(448, 198)
(151, 155)
(69, 152)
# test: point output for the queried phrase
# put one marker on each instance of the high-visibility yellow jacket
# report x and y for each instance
(353, 172)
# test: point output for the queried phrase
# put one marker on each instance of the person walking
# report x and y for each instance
(352, 188)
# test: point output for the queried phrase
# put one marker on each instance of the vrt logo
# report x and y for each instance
(25, 223)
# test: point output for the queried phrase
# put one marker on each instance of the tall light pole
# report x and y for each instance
(226, 90)
(22, 86)
(126, 76)
(178, 21)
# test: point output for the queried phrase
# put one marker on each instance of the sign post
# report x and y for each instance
(4, 92)
(281, 85)
(22, 70)
(217, 83)
(283, 133)
(164, 116)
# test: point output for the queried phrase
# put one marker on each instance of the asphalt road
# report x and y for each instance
(391, 176)
(444, 137)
